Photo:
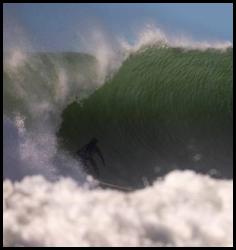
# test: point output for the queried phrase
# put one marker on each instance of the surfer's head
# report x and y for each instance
(94, 140)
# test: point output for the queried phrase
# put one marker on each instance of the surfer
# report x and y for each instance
(86, 154)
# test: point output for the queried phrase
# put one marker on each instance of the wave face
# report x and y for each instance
(165, 108)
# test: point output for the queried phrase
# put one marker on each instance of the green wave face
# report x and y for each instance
(165, 108)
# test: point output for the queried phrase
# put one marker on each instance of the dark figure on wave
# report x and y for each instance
(86, 155)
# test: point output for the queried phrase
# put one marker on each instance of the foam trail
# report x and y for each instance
(165, 214)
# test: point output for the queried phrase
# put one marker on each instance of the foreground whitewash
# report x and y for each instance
(184, 209)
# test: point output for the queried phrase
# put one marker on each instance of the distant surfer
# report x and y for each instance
(86, 154)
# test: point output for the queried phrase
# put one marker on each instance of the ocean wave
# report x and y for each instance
(164, 107)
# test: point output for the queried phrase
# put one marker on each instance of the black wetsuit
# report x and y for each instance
(86, 155)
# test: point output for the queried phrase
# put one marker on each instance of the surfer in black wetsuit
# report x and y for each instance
(86, 154)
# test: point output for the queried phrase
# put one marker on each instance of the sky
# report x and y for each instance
(57, 26)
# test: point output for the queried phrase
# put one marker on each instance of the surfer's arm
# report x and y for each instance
(100, 154)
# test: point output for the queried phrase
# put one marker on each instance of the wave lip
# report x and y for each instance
(152, 35)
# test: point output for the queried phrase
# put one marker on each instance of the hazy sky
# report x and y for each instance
(56, 26)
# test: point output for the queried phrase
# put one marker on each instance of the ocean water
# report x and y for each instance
(162, 112)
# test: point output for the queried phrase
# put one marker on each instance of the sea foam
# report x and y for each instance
(183, 209)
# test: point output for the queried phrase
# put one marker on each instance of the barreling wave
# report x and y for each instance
(166, 108)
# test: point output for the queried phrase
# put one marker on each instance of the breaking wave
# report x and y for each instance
(157, 107)
(164, 109)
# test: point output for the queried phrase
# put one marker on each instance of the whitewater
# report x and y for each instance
(178, 171)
